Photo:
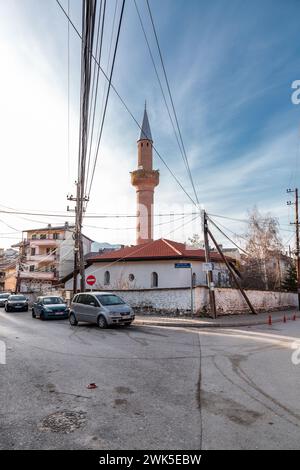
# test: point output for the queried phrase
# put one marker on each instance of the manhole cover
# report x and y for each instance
(63, 421)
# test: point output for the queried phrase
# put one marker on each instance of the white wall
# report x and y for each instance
(231, 300)
(228, 301)
(66, 253)
(168, 275)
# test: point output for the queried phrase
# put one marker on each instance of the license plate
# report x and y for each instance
(60, 313)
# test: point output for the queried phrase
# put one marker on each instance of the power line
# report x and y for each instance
(139, 248)
(160, 84)
(228, 238)
(128, 110)
(97, 80)
(107, 96)
(185, 158)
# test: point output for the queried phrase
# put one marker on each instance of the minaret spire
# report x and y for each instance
(145, 133)
(145, 179)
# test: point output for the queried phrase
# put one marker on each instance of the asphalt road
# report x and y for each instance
(157, 388)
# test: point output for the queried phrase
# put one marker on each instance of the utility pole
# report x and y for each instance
(209, 273)
(88, 29)
(232, 272)
(297, 250)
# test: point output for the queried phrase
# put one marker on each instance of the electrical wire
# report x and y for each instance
(185, 158)
(129, 111)
(228, 238)
(107, 96)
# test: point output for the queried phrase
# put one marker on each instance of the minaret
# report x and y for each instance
(144, 179)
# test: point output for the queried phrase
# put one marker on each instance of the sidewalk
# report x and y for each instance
(225, 321)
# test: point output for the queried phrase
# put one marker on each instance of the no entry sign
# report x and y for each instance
(90, 280)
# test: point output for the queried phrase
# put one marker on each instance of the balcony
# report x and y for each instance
(43, 242)
(42, 258)
(38, 275)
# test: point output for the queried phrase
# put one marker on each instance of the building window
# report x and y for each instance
(106, 278)
(32, 251)
(142, 144)
(55, 236)
(43, 236)
(131, 277)
(219, 279)
(31, 268)
(147, 144)
(33, 237)
(194, 278)
(154, 280)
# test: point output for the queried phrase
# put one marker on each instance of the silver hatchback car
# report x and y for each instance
(103, 308)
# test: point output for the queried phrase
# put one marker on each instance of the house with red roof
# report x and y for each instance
(153, 265)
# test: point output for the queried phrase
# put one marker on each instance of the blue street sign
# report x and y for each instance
(182, 265)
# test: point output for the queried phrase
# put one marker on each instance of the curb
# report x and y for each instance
(211, 325)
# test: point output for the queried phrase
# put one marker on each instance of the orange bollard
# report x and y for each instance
(270, 320)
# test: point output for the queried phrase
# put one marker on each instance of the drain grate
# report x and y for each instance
(63, 421)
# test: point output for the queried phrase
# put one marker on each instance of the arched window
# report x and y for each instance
(194, 279)
(154, 280)
(106, 278)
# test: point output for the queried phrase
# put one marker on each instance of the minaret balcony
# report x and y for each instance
(145, 178)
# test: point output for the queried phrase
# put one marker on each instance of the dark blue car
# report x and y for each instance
(50, 307)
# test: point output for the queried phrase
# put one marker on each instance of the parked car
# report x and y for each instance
(16, 302)
(3, 298)
(50, 307)
(103, 308)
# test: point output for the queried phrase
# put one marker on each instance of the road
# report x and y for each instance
(157, 388)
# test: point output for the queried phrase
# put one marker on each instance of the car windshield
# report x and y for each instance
(4, 296)
(17, 297)
(109, 299)
(53, 300)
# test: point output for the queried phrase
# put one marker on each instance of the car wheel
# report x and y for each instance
(33, 313)
(102, 323)
(72, 320)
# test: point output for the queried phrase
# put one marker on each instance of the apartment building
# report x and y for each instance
(46, 255)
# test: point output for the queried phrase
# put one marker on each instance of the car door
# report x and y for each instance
(38, 306)
(79, 307)
(91, 308)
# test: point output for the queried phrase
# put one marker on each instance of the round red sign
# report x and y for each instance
(90, 280)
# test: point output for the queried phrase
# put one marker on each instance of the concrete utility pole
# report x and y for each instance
(209, 274)
(297, 250)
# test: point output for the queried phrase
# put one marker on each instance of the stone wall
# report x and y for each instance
(228, 301)
(231, 300)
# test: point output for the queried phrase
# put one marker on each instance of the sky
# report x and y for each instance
(230, 67)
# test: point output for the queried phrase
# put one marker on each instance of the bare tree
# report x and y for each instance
(264, 248)
(196, 241)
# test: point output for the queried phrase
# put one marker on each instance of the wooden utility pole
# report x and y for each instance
(297, 250)
(232, 272)
(209, 273)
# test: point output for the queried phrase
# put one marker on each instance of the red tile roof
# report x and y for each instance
(158, 249)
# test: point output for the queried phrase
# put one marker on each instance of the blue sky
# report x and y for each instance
(230, 65)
